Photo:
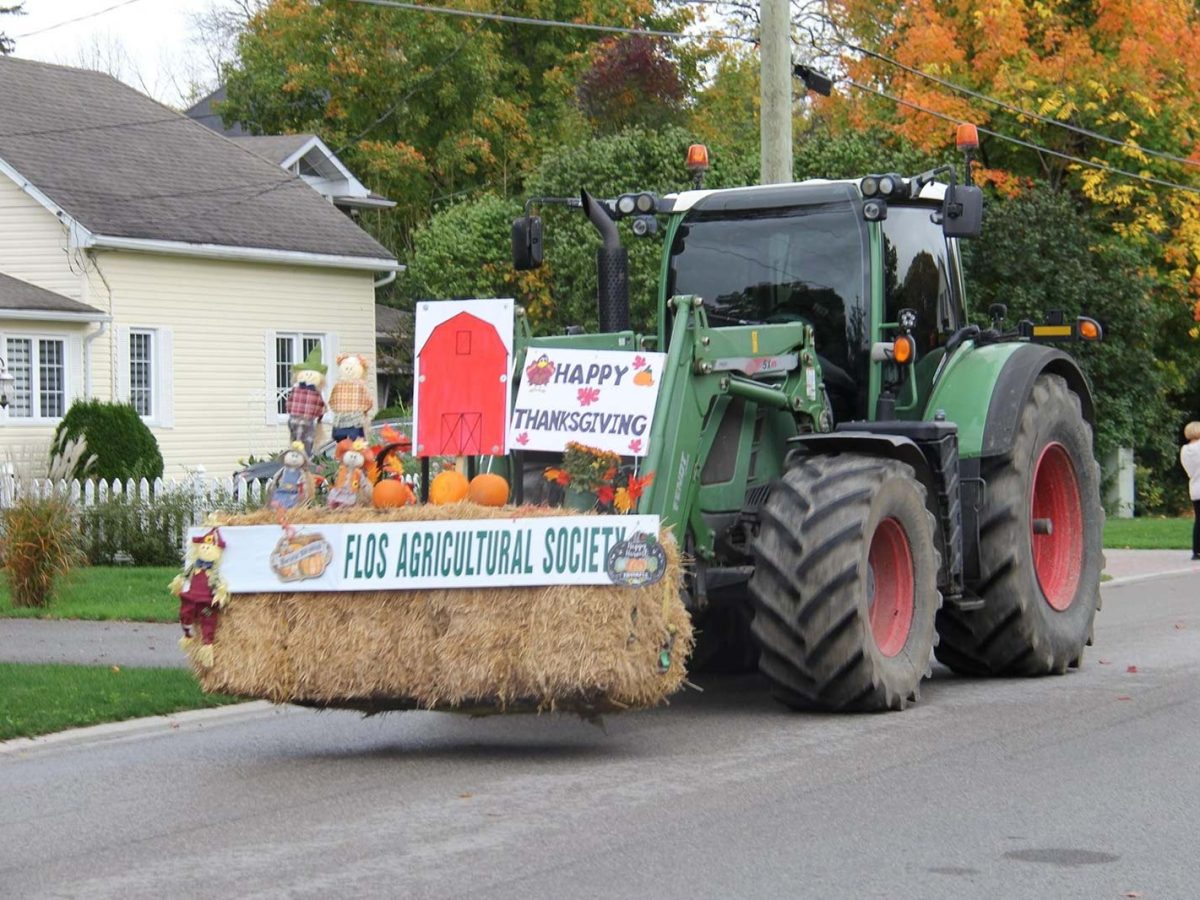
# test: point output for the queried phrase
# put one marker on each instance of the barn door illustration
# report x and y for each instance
(462, 434)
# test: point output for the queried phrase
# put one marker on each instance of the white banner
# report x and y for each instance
(601, 398)
(463, 553)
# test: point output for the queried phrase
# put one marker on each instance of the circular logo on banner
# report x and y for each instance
(637, 561)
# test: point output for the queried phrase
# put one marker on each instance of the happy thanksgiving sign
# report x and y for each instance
(602, 398)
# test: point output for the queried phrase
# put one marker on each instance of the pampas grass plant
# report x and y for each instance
(41, 540)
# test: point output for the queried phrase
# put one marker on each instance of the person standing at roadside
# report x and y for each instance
(1189, 456)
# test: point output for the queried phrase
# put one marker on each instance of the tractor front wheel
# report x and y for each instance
(845, 584)
(1040, 552)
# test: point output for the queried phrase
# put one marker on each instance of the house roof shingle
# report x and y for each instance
(126, 166)
(16, 294)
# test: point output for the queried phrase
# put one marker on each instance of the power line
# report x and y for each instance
(1104, 167)
(82, 18)
(1016, 110)
(551, 23)
(72, 129)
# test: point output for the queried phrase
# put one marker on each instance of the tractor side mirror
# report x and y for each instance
(526, 242)
(962, 211)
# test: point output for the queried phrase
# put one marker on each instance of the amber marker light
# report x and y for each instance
(903, 350)
(1089, 329)
(697, 158)
(967, 137)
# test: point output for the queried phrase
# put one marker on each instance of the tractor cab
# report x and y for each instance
(823, 253)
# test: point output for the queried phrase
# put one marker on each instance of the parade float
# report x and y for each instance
(368, 594)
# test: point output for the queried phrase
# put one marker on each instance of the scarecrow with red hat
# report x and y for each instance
(201, 592)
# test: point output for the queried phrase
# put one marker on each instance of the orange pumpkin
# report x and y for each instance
(488, 489)
(449, 486)
(392, 492)
(644, 378)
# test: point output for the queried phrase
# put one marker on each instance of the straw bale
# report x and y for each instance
(581, 648)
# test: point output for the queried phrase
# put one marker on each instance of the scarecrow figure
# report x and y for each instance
(201, 592)
(350, 399)
(352, 485)
(305, 405)
(293, 485)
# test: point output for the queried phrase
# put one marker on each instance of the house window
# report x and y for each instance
(141, 372)
(291, 349)
(39, 370)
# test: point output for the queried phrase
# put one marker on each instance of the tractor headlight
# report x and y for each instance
(626, 204)
(645, 203)
(869, 186)
(875, 210)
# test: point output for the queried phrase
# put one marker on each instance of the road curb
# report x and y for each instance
(1149, 576)
(135, 728)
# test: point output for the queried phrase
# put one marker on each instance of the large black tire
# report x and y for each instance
(1040, 591)
(843, 537)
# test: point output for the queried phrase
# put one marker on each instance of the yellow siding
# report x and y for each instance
(219, 314)
(33, 243)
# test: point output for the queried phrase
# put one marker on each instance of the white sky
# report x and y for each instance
(142, 42)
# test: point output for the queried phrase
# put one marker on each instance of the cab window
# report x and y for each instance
(917, 275)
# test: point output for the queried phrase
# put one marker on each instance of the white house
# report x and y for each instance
(145, 258)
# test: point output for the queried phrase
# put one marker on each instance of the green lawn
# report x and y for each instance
(106, 592)
(1148, 534)
(39, 699)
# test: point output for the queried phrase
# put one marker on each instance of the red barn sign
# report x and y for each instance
(463, 353)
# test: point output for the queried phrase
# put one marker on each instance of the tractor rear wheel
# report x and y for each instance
(1040, 550)
(845, 584)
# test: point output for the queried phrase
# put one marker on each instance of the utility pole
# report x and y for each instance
(775, 73)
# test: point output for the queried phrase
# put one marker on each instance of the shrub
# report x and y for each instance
(39, 535)
(123, 445)
(41, 544)
(147, 531)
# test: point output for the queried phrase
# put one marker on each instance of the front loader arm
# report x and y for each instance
(772, 367)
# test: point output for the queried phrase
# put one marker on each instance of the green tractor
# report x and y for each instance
(862, 477)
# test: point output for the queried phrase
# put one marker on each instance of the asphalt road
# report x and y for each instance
(1087, 785)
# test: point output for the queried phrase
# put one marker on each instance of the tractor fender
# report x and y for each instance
(1004, 373)
(890, 446)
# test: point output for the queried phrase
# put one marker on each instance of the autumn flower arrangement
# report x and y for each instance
(594, 471)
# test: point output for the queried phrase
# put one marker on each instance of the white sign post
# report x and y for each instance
(601, 398)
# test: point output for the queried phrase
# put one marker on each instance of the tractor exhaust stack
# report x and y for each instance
(612, 268)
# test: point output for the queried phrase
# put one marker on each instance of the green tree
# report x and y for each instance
(422, 107)
(464, 250)
(6, 43)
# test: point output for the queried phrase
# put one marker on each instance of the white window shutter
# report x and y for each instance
(75, 364)
(165, 374)
(271, 415)
(122, 365)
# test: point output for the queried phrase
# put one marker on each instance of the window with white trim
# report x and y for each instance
(142, 387)
(39, 369)
(292, 348)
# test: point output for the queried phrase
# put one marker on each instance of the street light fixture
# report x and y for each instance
(6, 383)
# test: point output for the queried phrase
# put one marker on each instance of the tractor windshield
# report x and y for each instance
(780, 265)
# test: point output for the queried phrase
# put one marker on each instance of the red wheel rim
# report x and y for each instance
(1057, 556)
(891, 587)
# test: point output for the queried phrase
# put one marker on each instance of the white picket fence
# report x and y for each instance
(204, 489)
